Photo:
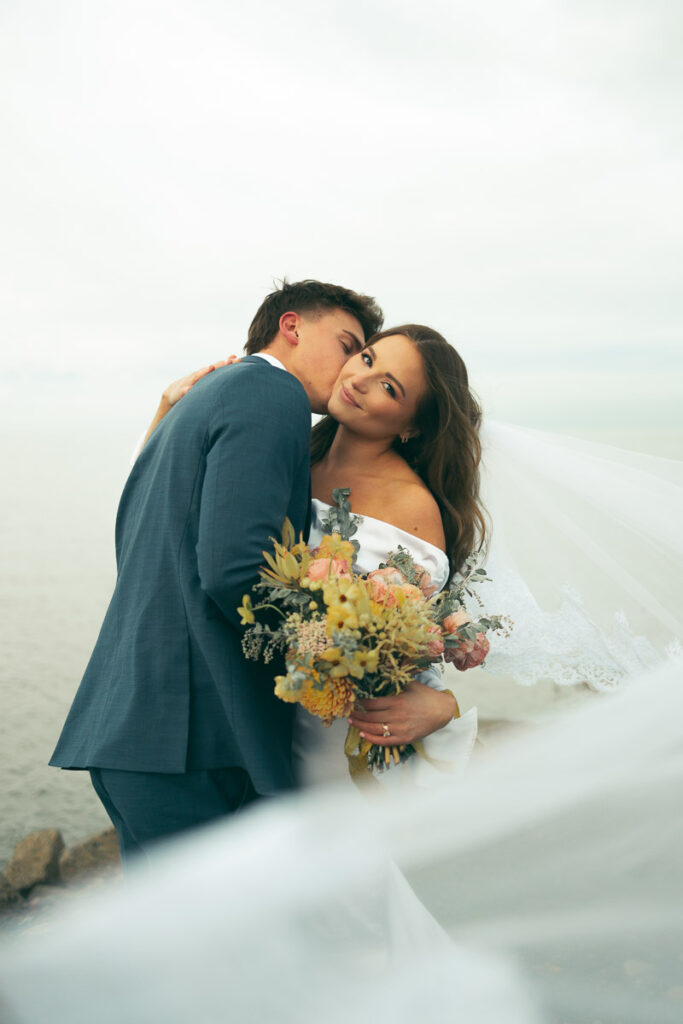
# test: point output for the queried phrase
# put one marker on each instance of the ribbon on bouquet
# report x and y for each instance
(357, 750)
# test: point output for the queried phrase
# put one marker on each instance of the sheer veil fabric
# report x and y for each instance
(586, 557)
(554, 869)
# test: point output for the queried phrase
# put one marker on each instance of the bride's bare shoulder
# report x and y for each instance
(415, 510)
(408, 505)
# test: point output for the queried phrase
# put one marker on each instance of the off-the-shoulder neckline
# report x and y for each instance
(391, 526)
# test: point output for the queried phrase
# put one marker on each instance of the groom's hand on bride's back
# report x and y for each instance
(175, 391)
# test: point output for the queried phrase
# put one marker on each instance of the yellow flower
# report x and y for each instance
(291, 566)
(336, 661)
(245, 611)
(284, 691)
(332, 654)
(339, 671)
(326, 698)
(333, 701)
(283, 567)
(363, 661)
(341, 616)
(332, 546)
(347, 592)
(289, 689)
(336, 589)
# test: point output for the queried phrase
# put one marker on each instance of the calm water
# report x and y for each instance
(60, 491)
(59, 499)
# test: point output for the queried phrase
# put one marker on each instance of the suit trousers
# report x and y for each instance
(148, 806)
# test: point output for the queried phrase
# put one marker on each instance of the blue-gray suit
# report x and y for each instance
(167, 689)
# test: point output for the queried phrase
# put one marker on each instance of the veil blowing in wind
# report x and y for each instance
(553, 871)
(586, 557)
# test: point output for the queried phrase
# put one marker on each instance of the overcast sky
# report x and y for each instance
(509, 172)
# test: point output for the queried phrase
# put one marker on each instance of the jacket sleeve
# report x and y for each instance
(259, 451)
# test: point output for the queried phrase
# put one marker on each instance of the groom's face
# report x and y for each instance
(326, 341)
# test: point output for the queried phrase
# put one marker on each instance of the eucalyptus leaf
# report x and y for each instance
(339, 518)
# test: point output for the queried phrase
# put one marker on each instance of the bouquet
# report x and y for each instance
(348, 636)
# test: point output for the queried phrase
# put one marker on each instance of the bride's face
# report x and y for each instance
(378, 391)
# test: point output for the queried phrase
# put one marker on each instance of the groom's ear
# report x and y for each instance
(289, 327)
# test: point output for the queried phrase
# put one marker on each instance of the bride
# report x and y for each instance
(402, 433)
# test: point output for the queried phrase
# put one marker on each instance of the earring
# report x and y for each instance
(404, 438)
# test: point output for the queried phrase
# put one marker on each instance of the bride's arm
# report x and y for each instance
(175, 391)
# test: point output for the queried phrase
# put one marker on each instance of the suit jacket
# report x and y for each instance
(167, 688)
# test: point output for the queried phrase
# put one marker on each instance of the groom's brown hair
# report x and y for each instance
(310, 297)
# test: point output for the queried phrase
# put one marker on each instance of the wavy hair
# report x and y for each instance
(314, 298)
(446, 451)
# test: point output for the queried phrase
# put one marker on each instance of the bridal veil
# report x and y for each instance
(586, 557)
(554, 869)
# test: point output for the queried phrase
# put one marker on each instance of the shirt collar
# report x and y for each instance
(270, 359)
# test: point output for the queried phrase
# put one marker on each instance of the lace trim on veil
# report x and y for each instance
(585, 558)
(564, 646)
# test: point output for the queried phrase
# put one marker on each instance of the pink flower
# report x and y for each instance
(453, 621)
(410, 591)
(384, 583)
(468, 653)
(322, 568)
(378, 590)
(435, 647)
(385, 594)
(424, 581)
(388, 575)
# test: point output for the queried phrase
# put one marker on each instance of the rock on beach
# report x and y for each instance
(35, 860)
(99, 854)
(9, 897)
(41, 870)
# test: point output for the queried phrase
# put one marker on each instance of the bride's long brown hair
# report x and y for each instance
(446, 451)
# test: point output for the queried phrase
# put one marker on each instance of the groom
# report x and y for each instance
(175, 727)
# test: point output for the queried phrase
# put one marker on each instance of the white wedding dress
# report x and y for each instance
(319, 751)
